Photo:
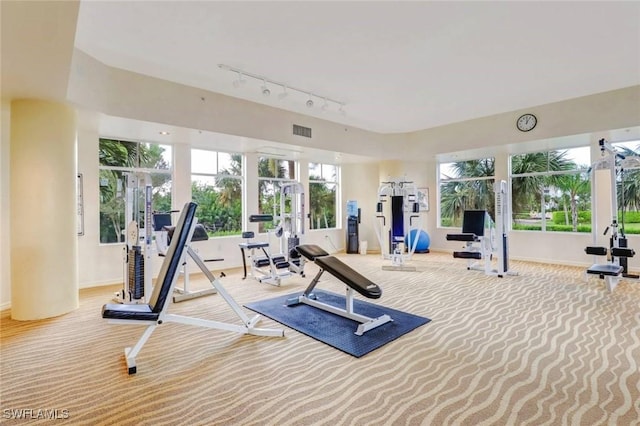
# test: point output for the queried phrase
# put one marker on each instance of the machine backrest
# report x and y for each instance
(473, 222)
(160, 220)
(170, 268)
(397, 216)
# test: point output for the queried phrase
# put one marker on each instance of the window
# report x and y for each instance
(216, 186)
(323, 191)
(551, 190)
(465, 185)
(271, 174)
(119, 159)
(628, 187)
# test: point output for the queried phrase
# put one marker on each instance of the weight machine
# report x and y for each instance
(402, 207)
(289, 216)
(138, 197)
(483, 237)
(608, 167)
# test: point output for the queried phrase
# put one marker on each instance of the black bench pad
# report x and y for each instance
(462, 237)
(467, 255)
(138, 312)
(353, 279)
(199, 233)
(605, 269)
(311, 251)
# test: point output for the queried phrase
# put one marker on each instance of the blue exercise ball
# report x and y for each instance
(422, 245)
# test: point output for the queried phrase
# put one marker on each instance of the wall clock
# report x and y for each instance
(526, 122)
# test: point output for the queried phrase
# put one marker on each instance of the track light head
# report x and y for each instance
(310, 102)
(265, 90)
(284, 93)
(239, 82)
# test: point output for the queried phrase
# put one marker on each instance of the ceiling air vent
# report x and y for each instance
(302, 131)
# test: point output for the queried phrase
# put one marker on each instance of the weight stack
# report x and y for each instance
(292, 243)
(136, 273)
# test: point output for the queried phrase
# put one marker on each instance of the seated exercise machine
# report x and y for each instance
(266, 267)
(605, 172)
(163, 231)
(479, 235)
(398, 201)
(354, 281)
(155, 312)
(477, 230)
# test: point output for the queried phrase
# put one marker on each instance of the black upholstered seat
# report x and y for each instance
(462, 237)
(605, 269)
(349, 276)
(311, 251)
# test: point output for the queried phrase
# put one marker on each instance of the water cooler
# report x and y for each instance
(353, 220)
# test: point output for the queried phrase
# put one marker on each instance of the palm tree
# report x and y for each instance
(130, 155)
(527, 191)
(573, 186)
(460, 195)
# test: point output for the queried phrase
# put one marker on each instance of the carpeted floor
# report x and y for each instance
(541, 348)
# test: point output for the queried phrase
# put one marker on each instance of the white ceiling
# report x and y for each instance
(398, 66)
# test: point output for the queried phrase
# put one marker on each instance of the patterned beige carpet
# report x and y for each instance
(541, 348)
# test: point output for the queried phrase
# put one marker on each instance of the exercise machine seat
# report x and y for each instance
(139, 312)
(199, 233)
(605, 269)
(311, 251)
(462, 237)
(349, 276)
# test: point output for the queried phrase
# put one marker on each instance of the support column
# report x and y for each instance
(44, 265)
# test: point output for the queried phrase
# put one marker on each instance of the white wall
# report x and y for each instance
(360, 183)
(5, 229)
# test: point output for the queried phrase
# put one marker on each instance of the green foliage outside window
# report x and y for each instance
(466, 185)
(116, 158)
(218, 193)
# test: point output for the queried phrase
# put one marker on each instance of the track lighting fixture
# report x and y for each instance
(286, 89)
(240, 81)
(265, 90)
(284, 93)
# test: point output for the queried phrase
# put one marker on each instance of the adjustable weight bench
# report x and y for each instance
(155, 312)
(354, 281)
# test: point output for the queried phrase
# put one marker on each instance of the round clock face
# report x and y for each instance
(526, 122)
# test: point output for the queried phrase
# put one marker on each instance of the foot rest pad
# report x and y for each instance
(467, 255)
(462, 237)
(622, 252)
(598, 251)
